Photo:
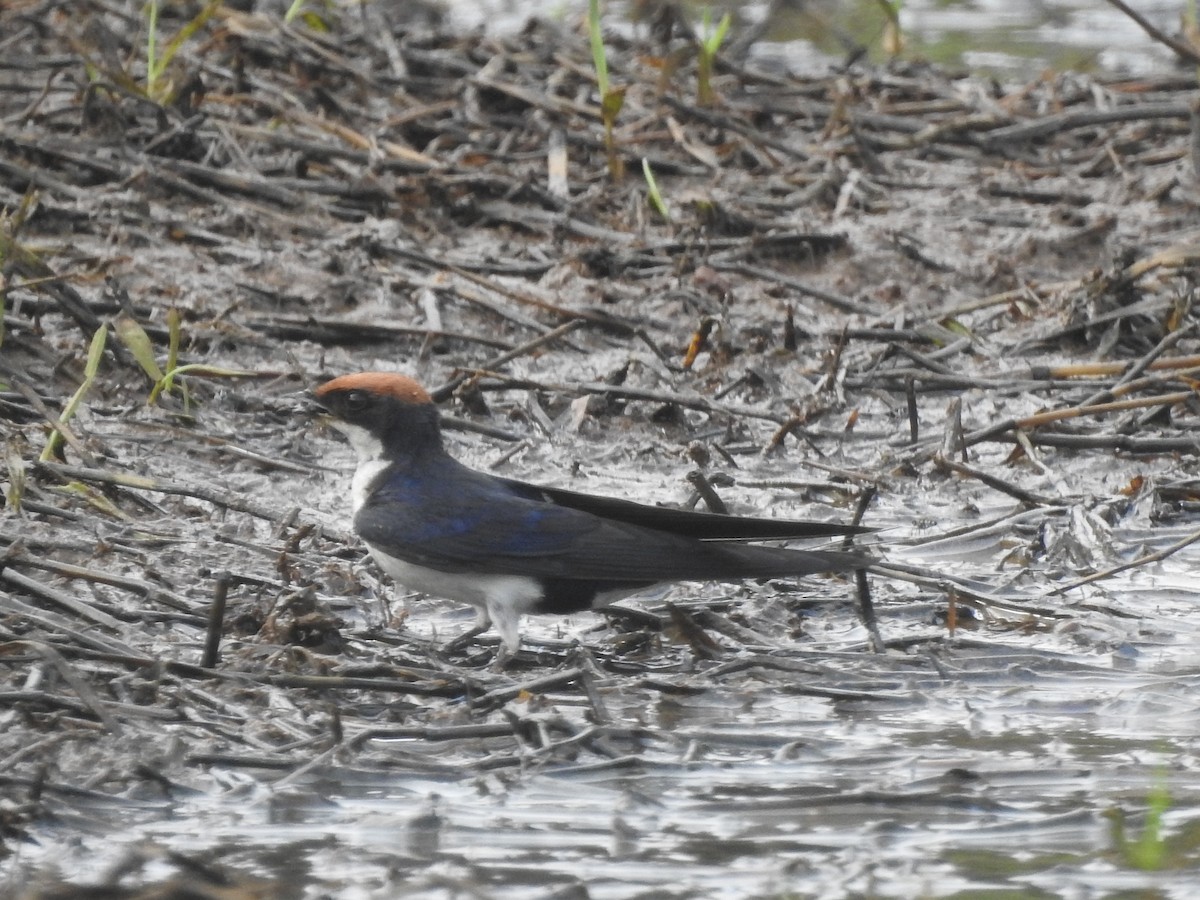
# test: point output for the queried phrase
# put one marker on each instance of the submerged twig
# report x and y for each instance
(1144, 560)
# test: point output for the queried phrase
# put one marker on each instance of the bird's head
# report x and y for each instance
(384, 415)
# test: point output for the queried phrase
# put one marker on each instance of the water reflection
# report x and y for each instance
(1004, 38)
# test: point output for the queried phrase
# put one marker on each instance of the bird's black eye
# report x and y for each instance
(357, 401)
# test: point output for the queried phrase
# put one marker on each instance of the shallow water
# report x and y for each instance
(1000, 758)
(1004, 38)
(986, 772)
(994, 760)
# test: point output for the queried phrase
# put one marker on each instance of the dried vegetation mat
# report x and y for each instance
(974, 299)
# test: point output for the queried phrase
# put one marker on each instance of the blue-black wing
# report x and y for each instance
(455, 519)
(698, 525)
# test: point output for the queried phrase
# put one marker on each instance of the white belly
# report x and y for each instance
(500, 599)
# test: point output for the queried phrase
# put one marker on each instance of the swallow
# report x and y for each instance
(511, 548)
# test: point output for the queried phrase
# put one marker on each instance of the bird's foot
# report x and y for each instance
(504, 657)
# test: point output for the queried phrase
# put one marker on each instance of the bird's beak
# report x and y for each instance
(312, 406)
(315, 409)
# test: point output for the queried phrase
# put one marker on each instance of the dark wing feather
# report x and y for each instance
(490, 525)
(698, 525)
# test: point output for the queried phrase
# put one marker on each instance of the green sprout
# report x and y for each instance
(655, 196)
(710, 43)
(893, 35)
(156, 66)
(174, 329)
(138, 343)
(16, 477)
(153, 69)
(167, 382)
(310, 17)
(1150, 852)
(599, 60)
(611, 99)
(95, 354)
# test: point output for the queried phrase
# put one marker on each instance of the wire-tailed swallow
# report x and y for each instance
(508, 547)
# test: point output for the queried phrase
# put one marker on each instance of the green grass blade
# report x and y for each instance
(167, 382)
(16, 477)
(95, 354)
(137, 342)
(599, 60)
(717, 38)
(656, 198)
(174, 327)
(187, 32)
(94, 498)
(1149, 852)
(152, 69)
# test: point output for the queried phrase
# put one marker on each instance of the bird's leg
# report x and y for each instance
(507, 622)
(504, 656)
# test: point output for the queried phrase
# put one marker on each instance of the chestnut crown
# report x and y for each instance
(392, 408)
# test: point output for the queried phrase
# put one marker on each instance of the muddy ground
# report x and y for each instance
(967, 305)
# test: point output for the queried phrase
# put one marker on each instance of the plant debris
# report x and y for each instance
(268, 203)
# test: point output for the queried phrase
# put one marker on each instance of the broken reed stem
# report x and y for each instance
(1075, 412)
(866, 611)
(1100, 369)
(992, 432)
(216, 621)
(1004, 487)
(704, 487)
(860, 509)
(914, 425)
(1122, 385)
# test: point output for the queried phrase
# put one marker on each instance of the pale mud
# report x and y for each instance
(377, 196)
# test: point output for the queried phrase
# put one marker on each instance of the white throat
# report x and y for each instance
(368, 447)
(370, 461)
